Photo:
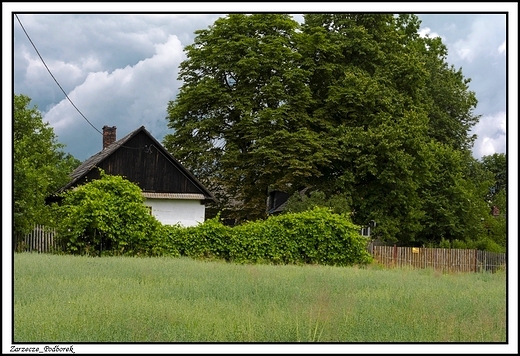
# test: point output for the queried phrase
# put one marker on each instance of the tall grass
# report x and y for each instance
(67, 299)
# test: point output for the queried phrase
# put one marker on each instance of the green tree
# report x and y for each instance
(497, 165)
(453, 200)
(107, 215)
(40, 166)
(355, 105)
(239, 120)
(367, 80)
(496, 196)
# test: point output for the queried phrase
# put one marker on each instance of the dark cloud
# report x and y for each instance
(121, 69)
(118, 70)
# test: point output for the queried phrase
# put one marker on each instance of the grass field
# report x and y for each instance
(67, 299)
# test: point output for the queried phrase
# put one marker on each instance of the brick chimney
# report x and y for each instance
(109, 136)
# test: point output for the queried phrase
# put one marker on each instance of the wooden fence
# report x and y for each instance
(441, 259)
(40, 240)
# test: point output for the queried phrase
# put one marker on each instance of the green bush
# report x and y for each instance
(107, 217)
(316, 236)
(487, 244)
(174, 240)
(483, 243)
(207, 240)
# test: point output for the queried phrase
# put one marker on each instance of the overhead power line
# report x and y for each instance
(53, 75)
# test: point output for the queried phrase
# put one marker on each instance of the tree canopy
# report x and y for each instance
(40, 165)
(353, 105)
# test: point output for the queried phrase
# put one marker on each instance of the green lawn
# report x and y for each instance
(70, 299)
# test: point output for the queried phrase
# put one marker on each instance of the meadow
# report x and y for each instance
(71, 299)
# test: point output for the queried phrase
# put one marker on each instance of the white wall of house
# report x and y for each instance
(177, 211)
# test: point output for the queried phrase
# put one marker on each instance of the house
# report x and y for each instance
(172, 193)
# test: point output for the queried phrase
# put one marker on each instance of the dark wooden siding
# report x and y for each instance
(141, 162)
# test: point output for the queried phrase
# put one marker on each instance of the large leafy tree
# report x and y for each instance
(355, 105)
(495, 166)
(40, 165)
(240, 121)
(394, 111)
(453, 196)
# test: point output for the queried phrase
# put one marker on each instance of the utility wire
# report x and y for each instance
(53, 75)
(119, 144)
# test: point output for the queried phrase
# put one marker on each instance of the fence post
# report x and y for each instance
(475, 260)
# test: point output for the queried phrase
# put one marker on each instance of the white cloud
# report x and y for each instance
(426, 32)
(127, 97)
(502, 48)
(491, 135)
(485, 30)
(487, 147)
(65, 73)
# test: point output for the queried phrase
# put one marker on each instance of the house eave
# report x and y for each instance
(173, 196)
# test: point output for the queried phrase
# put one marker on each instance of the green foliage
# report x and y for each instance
(483, 243)
(206, 241)
(492, 185)
(316, 236)
(40, 166)
(451, 199)
(107, 216)
(298, 202)
(496, 165)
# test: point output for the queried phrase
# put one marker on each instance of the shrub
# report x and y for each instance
(107, 216)
(315, 236)
(207, 240)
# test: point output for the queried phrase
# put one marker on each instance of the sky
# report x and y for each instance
(120, 69)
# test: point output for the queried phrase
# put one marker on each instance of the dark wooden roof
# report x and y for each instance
(106, 157)
(93, 161)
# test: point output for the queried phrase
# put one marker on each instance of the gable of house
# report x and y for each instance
(172, 193)
(141, 159)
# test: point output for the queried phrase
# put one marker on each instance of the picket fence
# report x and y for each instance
(446, 260)
(41, 240)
